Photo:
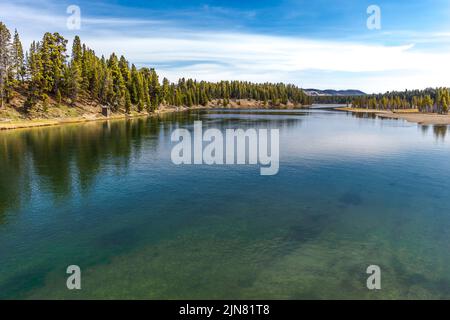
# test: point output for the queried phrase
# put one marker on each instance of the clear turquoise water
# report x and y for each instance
(351, 192)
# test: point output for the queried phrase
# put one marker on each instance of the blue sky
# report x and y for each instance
(321, 43)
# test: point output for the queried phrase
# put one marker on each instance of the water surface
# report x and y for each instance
(351, 191)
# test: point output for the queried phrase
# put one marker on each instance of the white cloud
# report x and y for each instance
(206, 55)
(273, 58)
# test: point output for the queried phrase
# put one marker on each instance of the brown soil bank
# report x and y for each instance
(14, 117)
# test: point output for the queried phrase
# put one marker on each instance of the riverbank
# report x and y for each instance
(11, 119)
(413, 115)
(32, 123)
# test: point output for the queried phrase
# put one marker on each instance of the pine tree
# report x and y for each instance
(140, 105)
(5, 62)
(86, 67)
(106, 88)
(77, 53)
(118, 87)
(127, 102)
(189, 102)
(95, 84)
(148, 104)
(58, 97)
(74, 74)
(18, 58)
(124, 69)
(32, 67)
(135, 85)
(73, 77)
(165, 90)
(52, 53)
(445, 105)
(154, 89)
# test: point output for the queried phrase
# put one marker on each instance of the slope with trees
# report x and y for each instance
(48, 76)
(428, 101)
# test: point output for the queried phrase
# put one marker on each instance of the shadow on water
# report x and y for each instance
(364, 115)
(424, 129)
(351, 199)
(257, 112)
(66, 159)
(16, 286)
(123, 238)
(440, 131)
(254, 120)
(311, 227)
(15, 186)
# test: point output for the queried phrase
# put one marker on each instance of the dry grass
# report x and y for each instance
(406, 111)
(360, 110)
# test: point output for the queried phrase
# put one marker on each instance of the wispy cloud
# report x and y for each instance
(275, 58)
(179, 49)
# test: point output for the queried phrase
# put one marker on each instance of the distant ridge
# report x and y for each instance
(330, 92)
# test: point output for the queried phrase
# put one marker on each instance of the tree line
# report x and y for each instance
(434, 100)
(47, 70)
(332, 99)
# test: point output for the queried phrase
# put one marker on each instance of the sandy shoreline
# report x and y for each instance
(408, 115)
(23, 124)
(35, 123)
(423, 119)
